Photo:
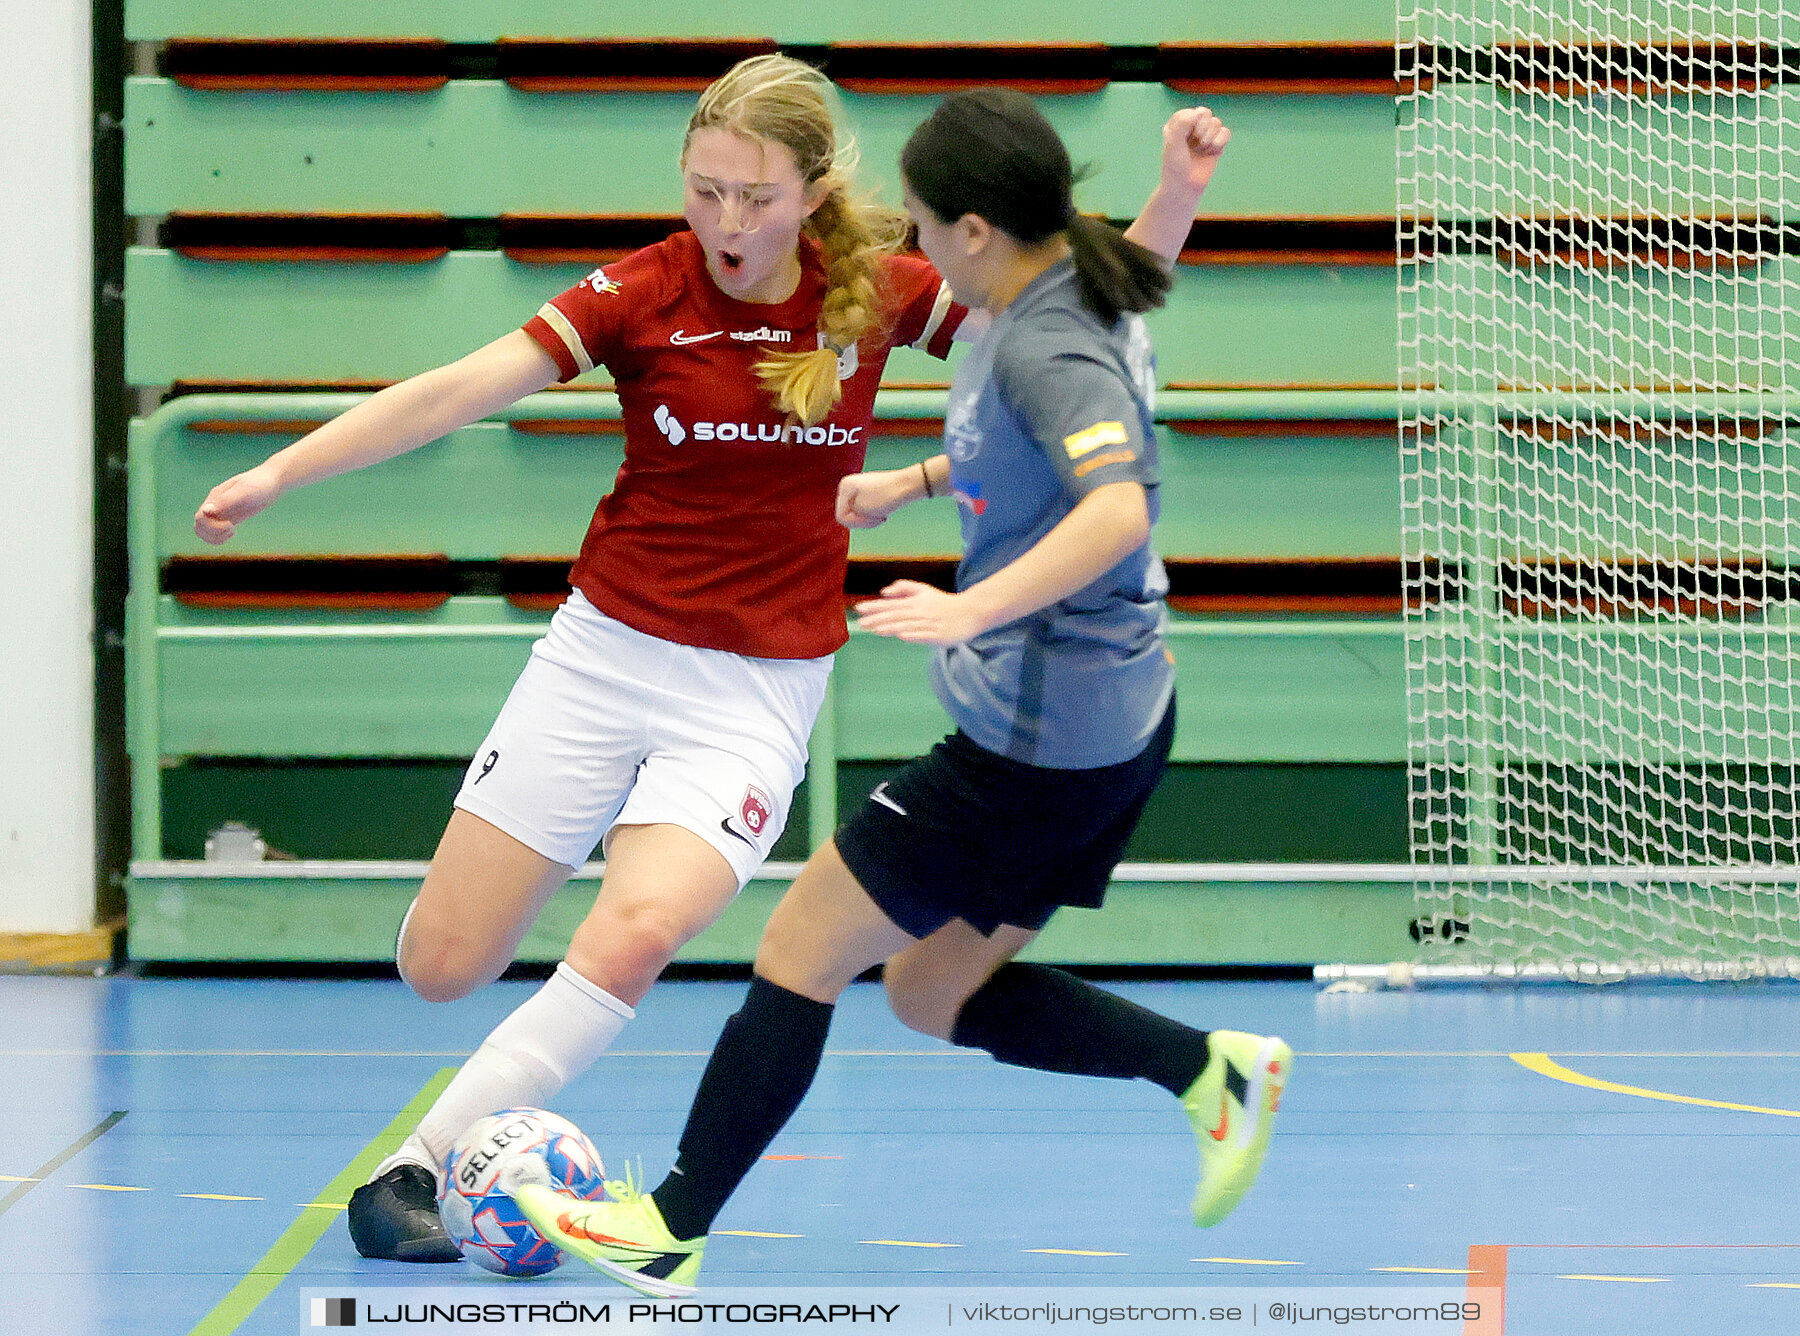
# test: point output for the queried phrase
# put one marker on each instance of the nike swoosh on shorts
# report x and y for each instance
(880, 796)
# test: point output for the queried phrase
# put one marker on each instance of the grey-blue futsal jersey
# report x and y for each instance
(1047, 406)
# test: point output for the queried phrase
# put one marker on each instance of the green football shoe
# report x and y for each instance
(1232, 1106)
(622, 1234)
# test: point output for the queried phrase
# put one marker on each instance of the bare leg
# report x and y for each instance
(484, 890)
(826, 931)
(928, 982)
(664, 885)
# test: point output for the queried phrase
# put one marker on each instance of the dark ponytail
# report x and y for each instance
(990, 152)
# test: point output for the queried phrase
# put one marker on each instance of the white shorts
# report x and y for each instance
(608, 726)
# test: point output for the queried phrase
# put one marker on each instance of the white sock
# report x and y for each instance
(553, 1037)
(412, 1151)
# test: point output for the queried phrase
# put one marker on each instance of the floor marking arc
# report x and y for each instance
(287, 1252)
(1544, 1065)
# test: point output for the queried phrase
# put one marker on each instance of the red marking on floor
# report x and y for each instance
(1487, 1287)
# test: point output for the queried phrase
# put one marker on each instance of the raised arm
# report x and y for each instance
(1193, 139)
(400, 418)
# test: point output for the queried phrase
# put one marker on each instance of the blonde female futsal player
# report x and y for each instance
(669, 706)
(1053, 667)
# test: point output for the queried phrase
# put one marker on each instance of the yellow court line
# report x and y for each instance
(905, 1243)
(1772, 1285)
(756, 1234)
(1627, 1280)
(1075, 1252)
(106, 1187)
(215, 1196)
(1244, 1261)
(323, 1205)
(16, 1178)
(1542, 1064)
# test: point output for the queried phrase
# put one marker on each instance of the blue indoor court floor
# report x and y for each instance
(1620, 1160)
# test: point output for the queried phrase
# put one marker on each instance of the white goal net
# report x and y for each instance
(1599, 276)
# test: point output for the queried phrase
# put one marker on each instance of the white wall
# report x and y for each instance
(46, 471)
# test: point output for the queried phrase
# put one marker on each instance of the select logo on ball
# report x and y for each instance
(482, 1218)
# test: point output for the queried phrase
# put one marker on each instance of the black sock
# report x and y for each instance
(1035, 1016)
(759, 1072)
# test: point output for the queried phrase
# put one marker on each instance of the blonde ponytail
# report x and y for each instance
(788, 102)
(852, 239)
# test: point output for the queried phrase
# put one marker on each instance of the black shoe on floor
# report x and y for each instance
(395, 1218)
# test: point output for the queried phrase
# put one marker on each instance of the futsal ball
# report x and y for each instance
(484, 1221)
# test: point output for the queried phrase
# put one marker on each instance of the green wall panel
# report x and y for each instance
(1125, 22)
(483, 492)
(488, 491)
(193, 319)
(1278, 325)
(176, 918)
(429, 685)
(354, 695)
(1202, 812)
(476, 148)
(1279, 496)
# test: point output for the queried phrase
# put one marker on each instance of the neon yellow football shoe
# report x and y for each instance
(622, 1234)
(1232, 1106)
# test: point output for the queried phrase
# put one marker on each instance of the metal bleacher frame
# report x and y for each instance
(1300, 688)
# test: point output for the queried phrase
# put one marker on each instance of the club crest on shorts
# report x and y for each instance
(755, 810)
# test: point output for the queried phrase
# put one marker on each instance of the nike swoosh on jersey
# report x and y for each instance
(725, 825)
(680, 339)
(880, 796)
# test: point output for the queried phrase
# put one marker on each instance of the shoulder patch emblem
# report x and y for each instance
(600, 283)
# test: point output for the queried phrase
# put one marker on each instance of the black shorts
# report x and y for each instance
(965, 833)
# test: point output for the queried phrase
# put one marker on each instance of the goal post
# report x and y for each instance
(1599, 374)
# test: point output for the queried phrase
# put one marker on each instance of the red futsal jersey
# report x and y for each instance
(719, 531)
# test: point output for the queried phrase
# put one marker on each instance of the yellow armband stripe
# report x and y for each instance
(1092, 438)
